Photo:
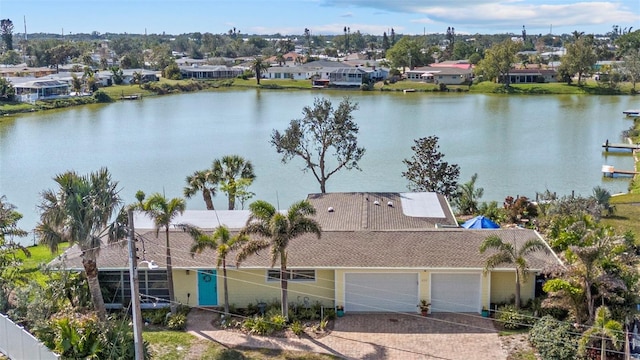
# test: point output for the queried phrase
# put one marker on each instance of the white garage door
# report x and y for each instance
(455, 292)
(381, 292)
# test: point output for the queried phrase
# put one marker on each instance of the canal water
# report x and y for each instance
(518, 145)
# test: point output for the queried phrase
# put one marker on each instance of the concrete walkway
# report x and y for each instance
(377, 337)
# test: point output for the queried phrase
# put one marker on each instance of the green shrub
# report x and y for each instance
(297, 328)
(512, 319)
(554, 339)
(101, 97)
(278, 321)
(156, 316)
(261, 326)
(177, 322)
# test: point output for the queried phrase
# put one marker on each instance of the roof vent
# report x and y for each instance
(376, 203)
(330, 209)
(389, 203)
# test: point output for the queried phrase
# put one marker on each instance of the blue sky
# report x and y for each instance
(321, 16)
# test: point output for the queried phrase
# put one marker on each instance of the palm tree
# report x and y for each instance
(163, 211)
(204, 181)
(222, 242)
(229, 170)
(468, 195)
(603, 329)
(259, 65)
(275, 230)
(510, 253)
(80, 212)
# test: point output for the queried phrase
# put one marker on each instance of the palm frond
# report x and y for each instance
(250, 248)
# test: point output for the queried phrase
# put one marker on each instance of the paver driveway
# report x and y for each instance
(379, 336)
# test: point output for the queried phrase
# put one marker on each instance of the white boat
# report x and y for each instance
(632, 112)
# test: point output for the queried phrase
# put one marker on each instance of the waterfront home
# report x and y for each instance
(349, 76)
(379, 252)
(209, 72)
(448, 75)
(32, 89)
(530, 76)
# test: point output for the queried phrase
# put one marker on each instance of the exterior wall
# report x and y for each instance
(184, 284)
(251, 286)
(503, 287)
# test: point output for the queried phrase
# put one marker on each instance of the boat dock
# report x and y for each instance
(131, 97)
(607, 145)
(610, 171)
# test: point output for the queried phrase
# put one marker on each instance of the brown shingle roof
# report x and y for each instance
(424, 249)
(358, 211)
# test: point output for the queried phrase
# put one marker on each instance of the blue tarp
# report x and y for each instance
(480, 222)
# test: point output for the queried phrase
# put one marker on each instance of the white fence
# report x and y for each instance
(18, 344)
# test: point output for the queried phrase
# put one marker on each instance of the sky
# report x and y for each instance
(321, 17)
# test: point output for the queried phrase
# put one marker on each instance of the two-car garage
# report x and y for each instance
(400, 292)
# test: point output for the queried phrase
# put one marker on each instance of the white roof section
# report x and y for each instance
(203, 219)
(421, 204)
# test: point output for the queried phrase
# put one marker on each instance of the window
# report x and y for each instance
(116, 286)
(294, 275)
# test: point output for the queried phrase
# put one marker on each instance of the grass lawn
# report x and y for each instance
(273, 83)
(175, 345)
(40, 254)
(627, 213)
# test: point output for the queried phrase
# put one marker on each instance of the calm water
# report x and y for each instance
(518, 145)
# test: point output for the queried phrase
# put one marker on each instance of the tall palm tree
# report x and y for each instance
(259, 65)
(222, 242)
(510, 253)
(603, 330)
(203, 181)
(81, 212)
(163, 211)
(229, 170)
(275, 230)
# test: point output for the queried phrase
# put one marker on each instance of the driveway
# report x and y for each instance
(378, 336)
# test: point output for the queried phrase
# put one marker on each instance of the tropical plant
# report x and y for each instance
(604, 331)
(9, 261)
(204, 181)
(163, 211)
(322, 130)
(554, 339)
(222, 242)
(511, 253)
(427, 171)
(467, 197)
(275, 230)
(259, 65)
(603, 267)
(602, 196)
(229, 170)
(81, 212)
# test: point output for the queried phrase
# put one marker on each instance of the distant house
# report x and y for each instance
(25, 71)
(209, 72)
(349, 77)
(288, 72)
(147, 75)
(40, 89)
(379, 252)
(451, 75)
(530, 76)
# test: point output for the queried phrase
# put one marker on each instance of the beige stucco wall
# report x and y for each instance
(503, 286)
(251, 286)
(184, 283)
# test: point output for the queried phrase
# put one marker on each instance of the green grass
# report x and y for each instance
(626, 215)
(39, 255)
(523, 355)
(273, 83)
(173, 345)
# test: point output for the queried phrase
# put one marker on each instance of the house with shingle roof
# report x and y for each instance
(379, 252)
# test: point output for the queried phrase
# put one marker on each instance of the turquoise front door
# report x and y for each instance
(207, 288)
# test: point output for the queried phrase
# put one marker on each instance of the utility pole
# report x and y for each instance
(135, 292)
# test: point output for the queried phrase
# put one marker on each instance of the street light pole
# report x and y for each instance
(135, 292)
